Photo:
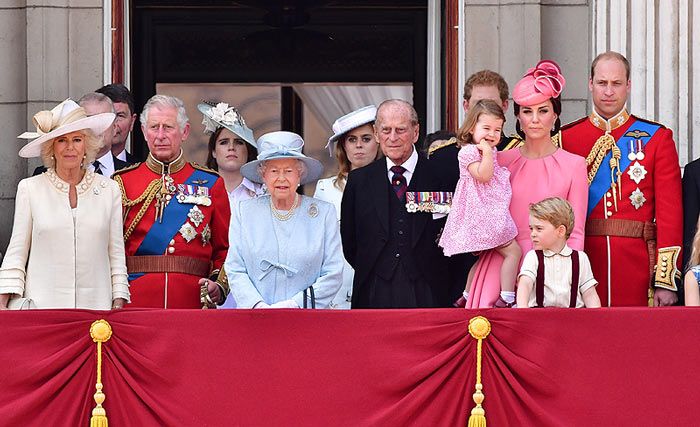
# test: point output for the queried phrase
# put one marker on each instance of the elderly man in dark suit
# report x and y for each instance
(394, 252)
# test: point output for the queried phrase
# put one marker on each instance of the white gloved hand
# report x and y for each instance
(285, 304)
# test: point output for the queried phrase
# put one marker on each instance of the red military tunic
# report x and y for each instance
(619, 238)
(166, 258)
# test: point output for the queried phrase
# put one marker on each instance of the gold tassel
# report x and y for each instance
(479, 328)
(100, 331)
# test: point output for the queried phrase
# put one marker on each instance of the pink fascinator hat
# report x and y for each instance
(539, 84)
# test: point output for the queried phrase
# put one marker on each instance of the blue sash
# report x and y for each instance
(601, 181)
(174, 215)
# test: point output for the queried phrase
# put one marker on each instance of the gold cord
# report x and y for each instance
(598, 152)
(146, 197)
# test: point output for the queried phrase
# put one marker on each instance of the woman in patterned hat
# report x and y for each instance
(67, 247)
(288, 254)
(538, 170)
(231, 145)
(354, 146)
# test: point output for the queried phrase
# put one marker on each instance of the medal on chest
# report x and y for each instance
(428, 201)
(193, 194)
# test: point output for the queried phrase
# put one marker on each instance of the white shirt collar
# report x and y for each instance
(106, 164)
(122, 156)
(565, 251)
(409, 165)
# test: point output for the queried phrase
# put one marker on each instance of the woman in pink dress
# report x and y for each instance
(538, 170)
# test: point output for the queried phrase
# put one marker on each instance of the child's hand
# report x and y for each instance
(483, 145)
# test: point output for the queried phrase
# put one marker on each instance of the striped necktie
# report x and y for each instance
(398, 181)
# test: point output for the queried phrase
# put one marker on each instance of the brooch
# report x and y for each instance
(313, 210)
(196, 215)
(637, 172)
(188, 232)
(637, 198)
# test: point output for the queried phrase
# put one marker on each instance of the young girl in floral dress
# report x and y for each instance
(479, 219)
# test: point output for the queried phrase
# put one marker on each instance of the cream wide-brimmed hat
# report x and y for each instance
(350, 121)
(223, 115)
(282, 145)
(64, 118)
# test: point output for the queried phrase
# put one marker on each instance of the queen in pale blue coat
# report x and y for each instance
(284, 248)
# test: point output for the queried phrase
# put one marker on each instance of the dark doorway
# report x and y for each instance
(283, 41)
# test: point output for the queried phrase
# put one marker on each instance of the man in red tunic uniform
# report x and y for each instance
(176, 217)
(634, 228)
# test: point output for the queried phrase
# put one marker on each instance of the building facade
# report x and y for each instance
(55, 49)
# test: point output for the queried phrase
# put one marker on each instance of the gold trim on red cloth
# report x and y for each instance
(161, 168)
(666, 273)
(609, 125)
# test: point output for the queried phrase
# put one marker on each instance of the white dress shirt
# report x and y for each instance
(409, 165)
(558, 276)
(106, 164)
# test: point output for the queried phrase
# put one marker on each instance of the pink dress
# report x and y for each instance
(561, 174)
(479, 218)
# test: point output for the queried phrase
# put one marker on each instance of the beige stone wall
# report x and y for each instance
(51, 50)
(510, 36)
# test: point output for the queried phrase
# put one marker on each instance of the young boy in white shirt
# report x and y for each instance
(553, 274)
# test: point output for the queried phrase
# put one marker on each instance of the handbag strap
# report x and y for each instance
(310, 295)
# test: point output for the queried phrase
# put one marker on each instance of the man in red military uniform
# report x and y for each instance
(176, 217)
(634, 229)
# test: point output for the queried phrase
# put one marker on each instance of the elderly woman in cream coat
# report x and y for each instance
(67, 248)
(285, 249)
(354, 146)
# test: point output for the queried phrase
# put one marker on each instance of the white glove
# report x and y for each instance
(285, 304)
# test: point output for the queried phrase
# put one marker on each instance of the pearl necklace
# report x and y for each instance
(284, 217)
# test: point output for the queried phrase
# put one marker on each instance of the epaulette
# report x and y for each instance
(574, 123)
(204, 168)
(447, 143)
(514, 142)
(648, 121)
(126, 168)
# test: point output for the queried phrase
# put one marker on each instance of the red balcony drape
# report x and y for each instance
(544, 367)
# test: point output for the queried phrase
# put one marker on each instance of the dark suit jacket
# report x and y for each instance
(130, 159)
(118, 164)
(364, 225)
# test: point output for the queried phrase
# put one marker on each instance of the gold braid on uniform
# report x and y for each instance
(146, 197)
(598, 152)
(665, 271)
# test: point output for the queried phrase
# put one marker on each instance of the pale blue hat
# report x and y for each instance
(223, 115)
(282, 145)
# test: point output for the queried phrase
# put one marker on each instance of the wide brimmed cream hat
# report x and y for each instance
(223, 115)
(350, 121)
(64, 118)
(282, 145)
